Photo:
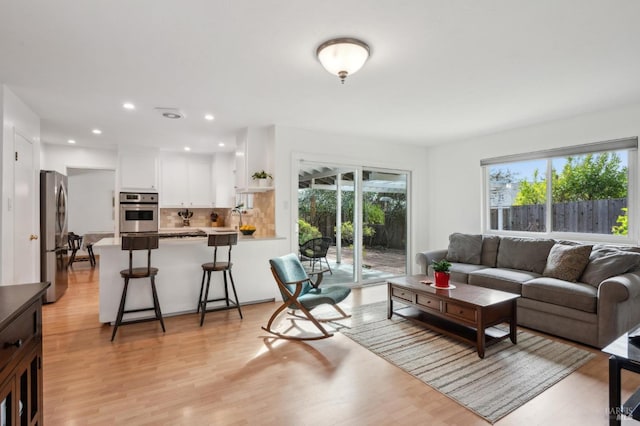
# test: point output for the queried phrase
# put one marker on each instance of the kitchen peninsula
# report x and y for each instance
(179, 261)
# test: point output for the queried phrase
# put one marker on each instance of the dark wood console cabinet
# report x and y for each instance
(21, 354)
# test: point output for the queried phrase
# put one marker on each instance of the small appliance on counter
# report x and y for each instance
(186, 216)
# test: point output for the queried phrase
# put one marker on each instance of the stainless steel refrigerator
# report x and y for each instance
(53, 233)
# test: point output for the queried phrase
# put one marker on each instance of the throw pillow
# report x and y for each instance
(527, 254)
(606, 262)
(464, 248)
(566, 262)
(490, 245)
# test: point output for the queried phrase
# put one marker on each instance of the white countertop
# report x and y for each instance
(208, 230)
(113, 241)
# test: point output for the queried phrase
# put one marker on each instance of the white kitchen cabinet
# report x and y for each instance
(199, 186)
(138, 169)
(185, 181)
(173, 181)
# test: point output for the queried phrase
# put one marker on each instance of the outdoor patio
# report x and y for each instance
(378, 265)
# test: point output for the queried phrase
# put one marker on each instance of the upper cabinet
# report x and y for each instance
(254, 153)
(186, 181)
(138, 169)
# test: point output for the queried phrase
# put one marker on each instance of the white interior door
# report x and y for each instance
(25, 232)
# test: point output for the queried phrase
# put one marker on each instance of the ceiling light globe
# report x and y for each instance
(343, 56)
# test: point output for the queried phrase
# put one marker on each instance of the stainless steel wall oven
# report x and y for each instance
(138, 212)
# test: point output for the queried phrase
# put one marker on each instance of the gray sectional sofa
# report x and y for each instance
(586, 293)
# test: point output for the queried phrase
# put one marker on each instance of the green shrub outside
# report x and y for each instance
(347, 231)
(306, 231)
(623, 221)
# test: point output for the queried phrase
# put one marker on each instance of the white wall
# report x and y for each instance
(455, 176)
(90, 200)
(291, 144)
(61, 157)
(17, 117)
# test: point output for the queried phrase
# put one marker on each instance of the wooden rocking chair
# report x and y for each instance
(301, 293)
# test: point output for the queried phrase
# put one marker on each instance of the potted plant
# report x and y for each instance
(441, 272)
(262, 177)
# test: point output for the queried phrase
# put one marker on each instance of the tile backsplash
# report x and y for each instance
(262, 216)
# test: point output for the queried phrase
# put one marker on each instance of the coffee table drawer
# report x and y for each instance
(400, 293)
(461, 311)
(429, 302)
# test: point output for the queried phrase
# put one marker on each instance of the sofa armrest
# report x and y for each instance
(618, 306)
(425, 258)
(620, 288)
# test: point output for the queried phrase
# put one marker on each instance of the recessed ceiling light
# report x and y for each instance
(128, 105)
(96, 131)
(172, 113)
(209, 117)
(221, 144)
(186, 148)
(71, 141)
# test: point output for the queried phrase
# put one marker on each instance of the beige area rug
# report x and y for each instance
(508, 376)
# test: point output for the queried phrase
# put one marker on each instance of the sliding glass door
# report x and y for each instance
(384, 224)
(363, 213)
(326, 210)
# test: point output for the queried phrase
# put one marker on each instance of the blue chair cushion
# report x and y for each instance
(320, 296)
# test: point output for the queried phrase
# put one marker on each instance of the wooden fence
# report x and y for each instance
(593, 217)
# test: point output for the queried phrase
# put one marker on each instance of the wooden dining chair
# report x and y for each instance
(75, 242)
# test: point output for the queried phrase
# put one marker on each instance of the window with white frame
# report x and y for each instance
(583, 189)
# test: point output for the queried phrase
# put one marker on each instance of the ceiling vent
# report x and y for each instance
(172, 113)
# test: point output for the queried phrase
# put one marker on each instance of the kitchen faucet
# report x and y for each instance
(238, 209)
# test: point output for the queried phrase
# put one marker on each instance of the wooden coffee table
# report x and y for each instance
(468, 313)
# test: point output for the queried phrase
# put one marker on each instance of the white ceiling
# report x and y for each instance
(439, 71)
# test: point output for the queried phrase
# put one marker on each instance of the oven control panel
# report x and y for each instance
(138, 198)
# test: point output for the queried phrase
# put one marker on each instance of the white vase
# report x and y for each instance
(263, 183)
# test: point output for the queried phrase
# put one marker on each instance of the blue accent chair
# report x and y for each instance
(301, 293)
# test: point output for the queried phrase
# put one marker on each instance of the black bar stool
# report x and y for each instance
(218, 240)
(133, 243)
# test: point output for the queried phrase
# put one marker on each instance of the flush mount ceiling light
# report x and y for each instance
(343, 56)
(96, 131)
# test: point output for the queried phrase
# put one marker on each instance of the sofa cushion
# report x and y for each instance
(527, 254)
(566, 262)
(490, 244)
(464, 248)
(459, 272)
(501, 279)
(579, 296)
(606, 262)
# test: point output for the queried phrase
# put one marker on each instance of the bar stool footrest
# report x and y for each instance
(139, 310)
(232, 305)
(138, 320)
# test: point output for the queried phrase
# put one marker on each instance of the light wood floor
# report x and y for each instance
(228, 373)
